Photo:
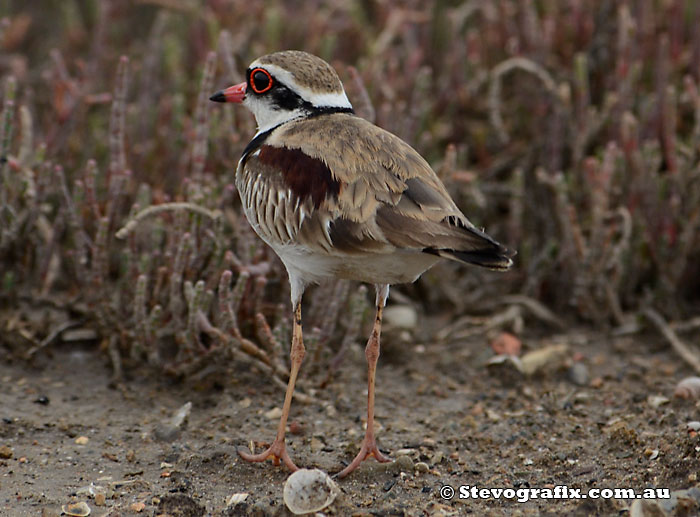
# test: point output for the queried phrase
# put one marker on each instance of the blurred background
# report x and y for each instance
(570, 130)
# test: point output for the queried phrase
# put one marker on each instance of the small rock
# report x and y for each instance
(400, 317)
(180, 504)
(137, 507)
(316, 444)
(652, 454)
(236, 499)
(506, 344)
(181, 414)
(621, 432)
(544, 358)
(596, 382)
(166, 432)
(82, 440)
(309, 491)
(274, 413)
(506, 368)
(296, 428)
(428, 442)
(403, 464)
(421, 467)
(578, 374)
(6, 452)
(100, 499)
(657, 400)
(688, 388)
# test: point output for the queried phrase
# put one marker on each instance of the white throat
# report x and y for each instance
(266, 117)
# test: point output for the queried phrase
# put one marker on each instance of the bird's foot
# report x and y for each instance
(277, 451)
(369, 448)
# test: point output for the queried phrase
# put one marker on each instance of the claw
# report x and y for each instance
(369, 448)
(277, 451)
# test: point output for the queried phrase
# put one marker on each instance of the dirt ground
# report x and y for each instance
(66, 431)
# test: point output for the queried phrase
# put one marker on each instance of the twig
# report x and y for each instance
(686, 326)
(679, 346)
(494, 95)
(157, 209)
(51, 337)
(536, 308)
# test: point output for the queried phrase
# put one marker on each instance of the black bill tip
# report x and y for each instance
(218, 97)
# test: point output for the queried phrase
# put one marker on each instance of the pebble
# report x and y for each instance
(596, 382)
(296, 428)
(137, 507)
(6, 452)
(544, 358)
(169, 430)
(181, 415)
(236, 499)
(652, 454)
(82, 440)
(403, 464)
(507, 368)
(506, 344)
(657, 400)
(578, 374)
(274, 413)
(400, 317)
(316, 444)
(166, 432)
(421, 467)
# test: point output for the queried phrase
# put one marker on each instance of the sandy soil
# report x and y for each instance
(65, 431)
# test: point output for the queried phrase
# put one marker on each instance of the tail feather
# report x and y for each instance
(496, 257)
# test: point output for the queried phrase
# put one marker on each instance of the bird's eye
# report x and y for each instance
(260, 80)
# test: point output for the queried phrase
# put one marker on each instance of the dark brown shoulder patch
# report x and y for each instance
(305, 176)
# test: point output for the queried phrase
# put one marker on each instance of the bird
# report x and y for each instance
(337, 197)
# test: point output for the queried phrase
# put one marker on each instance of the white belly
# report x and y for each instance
(386, 268)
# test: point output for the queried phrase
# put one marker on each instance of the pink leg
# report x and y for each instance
(278, 451)
(369, 444)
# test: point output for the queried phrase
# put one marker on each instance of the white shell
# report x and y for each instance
(80, 509)
(308, 491)
(688, 388)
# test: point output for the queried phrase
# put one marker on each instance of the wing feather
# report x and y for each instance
(387, 196)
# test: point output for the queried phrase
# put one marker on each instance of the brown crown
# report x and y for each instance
(309, 71)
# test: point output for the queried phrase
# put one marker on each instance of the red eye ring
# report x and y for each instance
(254, 87)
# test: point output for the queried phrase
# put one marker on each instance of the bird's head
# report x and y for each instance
(287, 85)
